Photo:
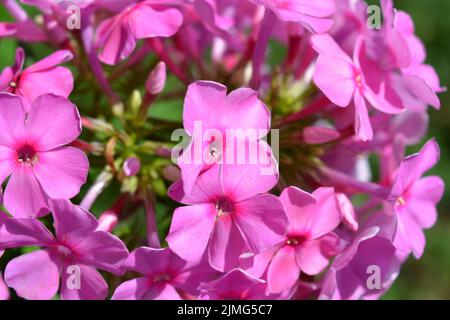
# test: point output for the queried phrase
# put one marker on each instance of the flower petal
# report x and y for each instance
(283, 270)
(22, 232)
(12, 120)
(34, 276)
(24, 196)
(191, 230)
(261, 221)
(91, 285)
(145, 22)
(226, 244)
(61, 172)
(133, 289)
(53, 122)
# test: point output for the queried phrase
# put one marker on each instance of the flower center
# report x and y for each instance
(224, 206)
(163, 277)
(358, 79)
(13, 84)
(295, 240)
(400, 201)
(26, 154)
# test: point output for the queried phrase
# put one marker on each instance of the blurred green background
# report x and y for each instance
(428, 278)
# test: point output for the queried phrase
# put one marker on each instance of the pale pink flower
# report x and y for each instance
(45, 76)
(77, 247)
(311, 219)
(228, 214)
(34, 154)
(165, 276)
(415, 197)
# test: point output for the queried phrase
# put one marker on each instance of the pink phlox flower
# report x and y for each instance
(414, 198)
(33, 153)
(73, 254)
(165, 276)
(228, 214)
(43, 77)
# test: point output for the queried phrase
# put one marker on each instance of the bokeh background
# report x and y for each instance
(428, 278)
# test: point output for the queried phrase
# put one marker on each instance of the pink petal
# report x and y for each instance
(34, 276)
(57, 81)
(283, 270)
(116, 41)
(233, 285)
(145, 22)
(261, 221)
(335, 78)
(311, 215)
(422, 90)
(12, 120)
(148, 261)
(56, 58)
(8, 162)
(61, 172)
(191, 230)
(72, 223)
(101, 250)
(244, 110)
(414, 166)
(198, 107)
(299, 207)
(242, 181)
(23, 232)
(162, 291)
(24, 196)
(425, 194)
(363, 126)
(207, 187)
(319, 135)
(92, 284)
(412, 234)
(310, 257)
(226, 244)
(53, 122)
(4, 292)
(134, 289)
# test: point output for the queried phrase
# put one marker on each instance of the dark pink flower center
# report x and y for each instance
(359, 80)
(162, 277)
(27, 154)
(294, 241)
(224, 206)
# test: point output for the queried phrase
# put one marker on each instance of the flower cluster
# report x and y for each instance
(288, 180)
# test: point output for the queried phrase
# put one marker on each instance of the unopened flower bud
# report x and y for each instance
(156, 80)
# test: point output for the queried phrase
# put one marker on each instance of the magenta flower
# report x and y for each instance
(117, 36)
(228, 214)
(165, 276)
(241, 109)
(369, 253)
(311, 219)
(415, 198)
(76, 250)
(34, 155)
(235, 285)
(315, 15)
(45, 76)
(342, 80)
